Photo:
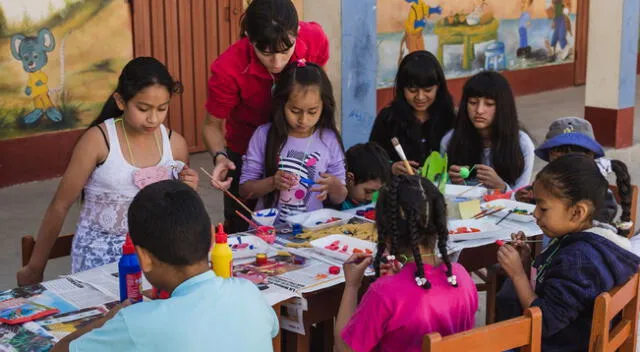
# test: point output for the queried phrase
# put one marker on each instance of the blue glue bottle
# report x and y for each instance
(129, 273)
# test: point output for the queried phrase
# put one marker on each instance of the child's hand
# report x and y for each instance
(354, 269)
(400, 168)
(190, 177)
(284, 180)
(454, 175)
(488, 176)
(524, 195)
(510, 261)
(326, 185)
(29, 276)
(390, 268)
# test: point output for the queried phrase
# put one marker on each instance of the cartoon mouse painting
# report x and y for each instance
(32, 52)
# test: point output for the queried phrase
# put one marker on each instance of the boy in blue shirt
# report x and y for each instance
(368, 169)
(171, 231)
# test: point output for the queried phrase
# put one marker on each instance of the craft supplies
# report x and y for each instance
(464, 229)
(221, 255)
(261, 259)
(465, 172)
(267, 233)
(469, 190)
(265, 217)
(403, 157)
(299, 260)
(251, 223)
(334, 270)
(489, 211)
(504, 217)
(129, 273)
(229, 193)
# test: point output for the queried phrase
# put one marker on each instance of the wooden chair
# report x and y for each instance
(621, 336)
(634, 204)
(524, 331)
(61, 247)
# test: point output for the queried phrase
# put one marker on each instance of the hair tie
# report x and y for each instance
(302, 62)
(625, 226)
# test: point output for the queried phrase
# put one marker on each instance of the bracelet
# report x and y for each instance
(215, 156)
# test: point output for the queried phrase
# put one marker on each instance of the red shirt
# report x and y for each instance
(239, 89)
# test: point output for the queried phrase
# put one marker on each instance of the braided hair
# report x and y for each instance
(412, 213)
(576, 177)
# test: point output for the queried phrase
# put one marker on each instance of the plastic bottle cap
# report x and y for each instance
(128, 247)
(221, 236)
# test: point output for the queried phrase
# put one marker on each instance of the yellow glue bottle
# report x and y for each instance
(221, 255)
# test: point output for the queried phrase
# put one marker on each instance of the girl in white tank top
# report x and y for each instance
(111, 162)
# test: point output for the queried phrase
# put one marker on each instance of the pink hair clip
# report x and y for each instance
(302, 63)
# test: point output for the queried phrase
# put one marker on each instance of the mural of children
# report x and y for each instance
(558, 11)
(525, 22)
(414, 25)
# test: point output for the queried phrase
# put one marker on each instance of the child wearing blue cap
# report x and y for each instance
(574, 135)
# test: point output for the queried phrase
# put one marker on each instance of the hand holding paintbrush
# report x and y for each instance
(398, 147)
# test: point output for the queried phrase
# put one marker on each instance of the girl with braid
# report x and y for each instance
(429, 294)
(584, 259)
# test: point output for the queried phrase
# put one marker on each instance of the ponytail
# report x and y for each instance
(623, 182)
(109, 110)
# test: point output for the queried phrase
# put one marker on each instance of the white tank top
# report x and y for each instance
(102, 225)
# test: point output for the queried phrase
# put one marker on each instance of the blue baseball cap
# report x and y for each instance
(570, 131)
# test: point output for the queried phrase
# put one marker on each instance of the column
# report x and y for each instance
(611, 70)
(359, 65)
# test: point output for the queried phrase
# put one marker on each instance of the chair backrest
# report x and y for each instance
(623, 334)
(634, 204)
(61, 247)
(524, 331)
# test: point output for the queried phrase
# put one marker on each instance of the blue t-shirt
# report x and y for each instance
(204, 313)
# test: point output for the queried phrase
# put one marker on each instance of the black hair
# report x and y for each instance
(576, 177)
(570, 148)
(303, 75)
(414, 214)
(137, 75)
(421, 69)
(466, 146)
(368, 161)
(168, 219)
(270, 25)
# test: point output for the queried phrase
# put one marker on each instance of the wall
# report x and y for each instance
(40, 122)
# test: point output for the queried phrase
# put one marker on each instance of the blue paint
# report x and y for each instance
(359, 67)
(306, 181)
(628, 53)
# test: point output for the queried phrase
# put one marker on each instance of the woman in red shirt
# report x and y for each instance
(242, 78)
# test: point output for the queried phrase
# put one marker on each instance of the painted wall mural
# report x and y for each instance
(473, 35)
(59, 61)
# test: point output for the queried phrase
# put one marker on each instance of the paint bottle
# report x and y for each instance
(221, 255)
(129, 273)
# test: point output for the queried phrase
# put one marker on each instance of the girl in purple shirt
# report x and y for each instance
(296, 162)
(428, 294)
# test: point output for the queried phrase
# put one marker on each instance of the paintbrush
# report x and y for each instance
(247, 219)
(487, 212)
(228, 193)
(504, 217)
(403, 157)
(469, 190)
(501, 243)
